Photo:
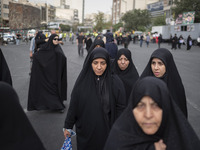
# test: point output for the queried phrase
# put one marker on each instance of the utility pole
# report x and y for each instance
(83, 11)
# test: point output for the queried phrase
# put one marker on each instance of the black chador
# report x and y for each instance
(174, 130)
(171, 77)
(4, 70)
(48, 82)
(16, 132)
(96, 102)
(130, 75)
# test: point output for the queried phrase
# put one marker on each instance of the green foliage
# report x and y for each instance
(117, 26)
(65, 27)
(99, 20)
(186, 6)
(159, 21)
(136, 19)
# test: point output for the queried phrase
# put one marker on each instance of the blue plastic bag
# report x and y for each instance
(67, 145)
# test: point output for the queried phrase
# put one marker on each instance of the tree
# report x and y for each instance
(159, 21)
(117, 26)
(136, 19)
(65, 27)
(99, 20)
(186, 6)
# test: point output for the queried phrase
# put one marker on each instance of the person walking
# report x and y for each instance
(161, 65)
(180, 41)
(152, 121)
(147, 39)
(16, 130)
(5, 74)
(124, 67)
(141, 40)
(174, 42)
(48, 82)
(94, 109)
(110, 46)
(80, 43)
(159, 40)
(189, 42)
(32, 50)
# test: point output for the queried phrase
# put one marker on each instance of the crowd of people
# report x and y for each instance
(111, 106)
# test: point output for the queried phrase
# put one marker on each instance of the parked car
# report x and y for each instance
(7, 38)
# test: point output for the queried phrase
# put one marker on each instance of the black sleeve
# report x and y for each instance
(72, 112)
(119, 94)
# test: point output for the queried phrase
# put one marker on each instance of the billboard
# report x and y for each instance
(188, 17)
(179, 19)
(155, 6)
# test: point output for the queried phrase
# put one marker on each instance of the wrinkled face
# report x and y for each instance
(99, 66)
(123, 62)
(158, 67)
(55, 40)
(148, 115)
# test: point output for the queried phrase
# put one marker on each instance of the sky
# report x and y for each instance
(91, 6)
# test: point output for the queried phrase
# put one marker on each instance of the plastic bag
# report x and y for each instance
(67, 145)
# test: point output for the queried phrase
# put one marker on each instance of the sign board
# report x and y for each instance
(155, 6)
(188, 17)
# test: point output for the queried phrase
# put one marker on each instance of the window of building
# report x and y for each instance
(5, 6)
(5, 15)
(183, 28)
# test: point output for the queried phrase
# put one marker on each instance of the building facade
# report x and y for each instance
(23, 16)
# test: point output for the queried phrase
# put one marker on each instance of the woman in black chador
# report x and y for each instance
(16, 131)
(48, 83)
(97, 99)
(152, 121)
(125, 69)
(162, 66)
(4, 70)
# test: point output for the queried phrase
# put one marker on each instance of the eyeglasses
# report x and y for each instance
(56, 39)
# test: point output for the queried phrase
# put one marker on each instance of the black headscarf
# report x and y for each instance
(171, 77)
(128, 76)
(4, 70)
(96, 42)
(175, 130)
(48, 83)
(16, 131)
(94, 104)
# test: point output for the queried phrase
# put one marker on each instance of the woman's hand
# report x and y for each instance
(160, 145)
(67, 133)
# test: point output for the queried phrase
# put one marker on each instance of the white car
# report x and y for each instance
(7, 37)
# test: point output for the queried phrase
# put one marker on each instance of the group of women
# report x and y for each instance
(115, 109)
(111, 107)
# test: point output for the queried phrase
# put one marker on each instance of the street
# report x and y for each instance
(49, 124)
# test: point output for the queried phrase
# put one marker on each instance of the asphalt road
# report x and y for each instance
(48, 124)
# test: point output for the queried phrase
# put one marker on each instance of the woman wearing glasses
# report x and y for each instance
(48, 82)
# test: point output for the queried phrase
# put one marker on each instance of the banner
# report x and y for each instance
(179, 19)
(188, 17)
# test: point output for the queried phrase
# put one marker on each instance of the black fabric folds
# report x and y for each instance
(16, 131)
(48, 82)
(4, 70)
(171, 77)
(96, 101)
(128, 76)
(175, 130)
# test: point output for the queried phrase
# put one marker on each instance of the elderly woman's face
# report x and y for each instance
(99, 66)
(158, 67)
(123, 62)
(148, 115)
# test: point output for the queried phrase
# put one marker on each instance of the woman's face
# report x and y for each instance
(148, 115)
(55, 40)
(123, 62)
(158, 67)
(99, 66)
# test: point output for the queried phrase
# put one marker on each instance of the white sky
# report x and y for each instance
(91, 6)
